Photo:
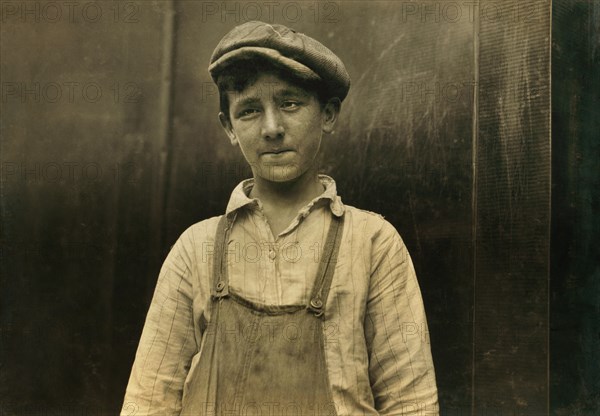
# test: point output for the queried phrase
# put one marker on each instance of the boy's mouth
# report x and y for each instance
(275, 151)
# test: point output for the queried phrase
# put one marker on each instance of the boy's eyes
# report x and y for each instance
(290, 105)
(247, 112)
(287, 105)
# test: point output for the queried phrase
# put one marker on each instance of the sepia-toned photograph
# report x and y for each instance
(300, 208)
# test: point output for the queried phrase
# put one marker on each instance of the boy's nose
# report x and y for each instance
(272, 127)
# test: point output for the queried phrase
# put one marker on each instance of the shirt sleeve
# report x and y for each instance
(400, 363)
(167, 343)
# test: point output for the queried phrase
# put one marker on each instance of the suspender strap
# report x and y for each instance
(220, 284)
(320, 292)
(328, 260)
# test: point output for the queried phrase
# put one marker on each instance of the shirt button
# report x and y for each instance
(272, 254)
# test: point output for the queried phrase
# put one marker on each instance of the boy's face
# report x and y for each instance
(278, 127)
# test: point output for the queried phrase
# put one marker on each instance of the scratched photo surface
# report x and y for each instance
(470, 126)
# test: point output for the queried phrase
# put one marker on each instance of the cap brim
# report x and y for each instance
(249, 52)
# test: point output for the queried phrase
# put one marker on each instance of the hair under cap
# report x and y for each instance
(306, 57)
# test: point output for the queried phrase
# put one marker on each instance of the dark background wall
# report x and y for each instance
(575, 239)
(111, 148)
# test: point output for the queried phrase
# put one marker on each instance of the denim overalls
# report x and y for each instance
(259, 359)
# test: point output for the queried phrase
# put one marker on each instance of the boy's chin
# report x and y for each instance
(281, 179)
(279, 174)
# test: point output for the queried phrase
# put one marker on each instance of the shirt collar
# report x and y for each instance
(239, 197)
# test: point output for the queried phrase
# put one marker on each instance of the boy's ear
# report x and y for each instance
(226, 124)
(330, 114)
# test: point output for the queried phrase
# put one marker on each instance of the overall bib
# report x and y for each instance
(259, 359)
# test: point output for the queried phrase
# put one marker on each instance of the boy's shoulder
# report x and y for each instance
(363, 213)
(203, 230)
(369, 224)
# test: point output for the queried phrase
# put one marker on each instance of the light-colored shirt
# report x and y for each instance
(377, 343)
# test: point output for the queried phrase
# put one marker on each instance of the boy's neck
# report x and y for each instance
(287, 195)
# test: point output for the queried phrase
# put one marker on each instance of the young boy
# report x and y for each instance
(291, 303)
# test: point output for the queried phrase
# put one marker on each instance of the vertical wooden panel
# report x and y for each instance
(575, 276)
(512, 210)
(81, 119)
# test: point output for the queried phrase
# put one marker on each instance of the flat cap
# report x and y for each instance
(306, 57)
